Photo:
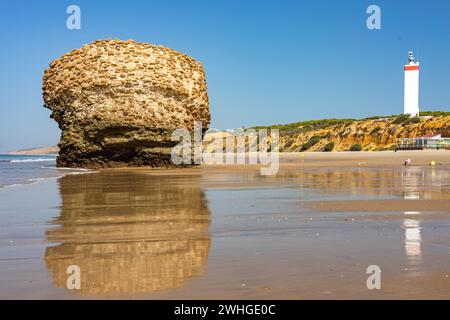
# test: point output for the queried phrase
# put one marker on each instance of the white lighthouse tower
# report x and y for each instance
(411, 102)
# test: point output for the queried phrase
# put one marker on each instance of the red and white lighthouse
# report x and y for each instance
(411, 100)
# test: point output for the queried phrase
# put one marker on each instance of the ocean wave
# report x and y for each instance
(41, 179)
(67, 169)
(31, 160)
(80, 172)
(31, 181)
(14, 185)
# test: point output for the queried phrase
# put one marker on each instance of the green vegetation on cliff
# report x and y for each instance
(311, 142)
(355, 147)
(368, 134)
(310, 125)
(329, 147)
(306, 125)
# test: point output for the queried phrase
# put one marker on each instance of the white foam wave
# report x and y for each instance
(68, 169)
(31, 181)
(41, 179)
(81, 172)
(32, 160)
(10, 186)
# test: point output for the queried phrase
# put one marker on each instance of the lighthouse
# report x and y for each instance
(411, 99)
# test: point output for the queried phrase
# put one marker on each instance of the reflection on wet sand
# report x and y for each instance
(129, 232)
(410, 189)
(404, 182)
(413, 241)
(412, 180)
(409, 195)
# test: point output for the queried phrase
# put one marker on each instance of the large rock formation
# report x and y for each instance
(118, 102)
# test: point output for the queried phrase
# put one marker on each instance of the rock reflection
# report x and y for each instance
(129, 232)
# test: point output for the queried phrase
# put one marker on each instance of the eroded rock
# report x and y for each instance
(118, 102)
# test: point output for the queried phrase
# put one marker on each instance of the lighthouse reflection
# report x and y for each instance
(129, 232)
(413, 240)
(413, 179)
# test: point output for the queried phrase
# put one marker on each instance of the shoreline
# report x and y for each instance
(288, 160)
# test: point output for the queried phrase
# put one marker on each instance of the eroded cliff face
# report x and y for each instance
(118, 102)
(371, 135)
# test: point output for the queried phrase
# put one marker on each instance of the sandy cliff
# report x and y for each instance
(36, 151)
(370, 134)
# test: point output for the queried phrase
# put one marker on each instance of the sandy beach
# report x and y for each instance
(227, 232)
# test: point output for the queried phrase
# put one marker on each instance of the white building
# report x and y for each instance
(411, 100)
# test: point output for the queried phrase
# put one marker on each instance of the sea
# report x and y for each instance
(17, 170)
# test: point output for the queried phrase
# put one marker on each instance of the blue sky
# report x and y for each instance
(266, 62)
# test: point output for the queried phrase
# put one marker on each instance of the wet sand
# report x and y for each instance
(226, 232)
